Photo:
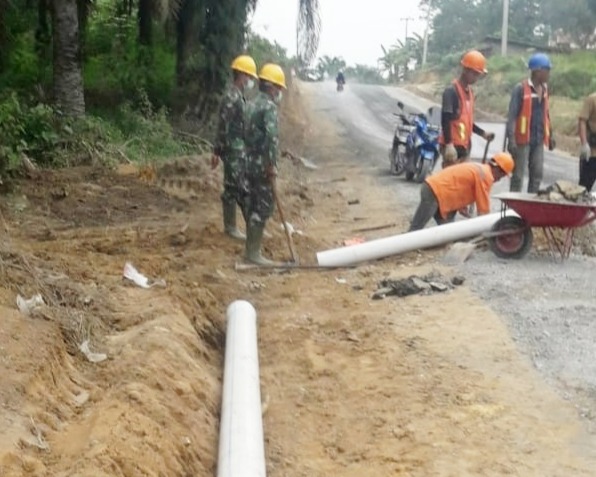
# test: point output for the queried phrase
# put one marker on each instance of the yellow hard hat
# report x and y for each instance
(245, 64)
(504, 161)
(274, 74)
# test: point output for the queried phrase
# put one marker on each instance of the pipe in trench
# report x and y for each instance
(241, 447)
(419, 239)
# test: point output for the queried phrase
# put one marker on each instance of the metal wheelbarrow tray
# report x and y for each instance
(511, 236)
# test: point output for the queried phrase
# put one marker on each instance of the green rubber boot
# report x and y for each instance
(229, 216)
(253, 246)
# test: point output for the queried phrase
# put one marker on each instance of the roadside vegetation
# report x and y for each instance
(104, 81)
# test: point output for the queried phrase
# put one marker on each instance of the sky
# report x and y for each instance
(352, 29)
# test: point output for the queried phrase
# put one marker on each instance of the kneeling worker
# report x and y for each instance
(459, 186)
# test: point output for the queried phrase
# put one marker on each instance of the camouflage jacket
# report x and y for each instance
(262, 135)
(229, 140)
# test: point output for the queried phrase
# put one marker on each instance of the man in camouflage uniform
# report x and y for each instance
(229, 143)
(262, 146)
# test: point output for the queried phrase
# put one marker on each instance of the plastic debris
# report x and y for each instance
(92, 357)
(28, 306)
(292, 230)
(354, 241)
(131, 273)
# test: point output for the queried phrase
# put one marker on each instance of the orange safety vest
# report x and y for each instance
(460, 185)
(522, 125)
(461, 128)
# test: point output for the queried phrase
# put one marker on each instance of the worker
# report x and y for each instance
(262, 144)
(528, 124)
(587, 137)
(229, 144)
(457, 114)
(459, 186)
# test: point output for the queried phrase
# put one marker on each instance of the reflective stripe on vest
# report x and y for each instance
(481, 170)
(461, 128)
(524, 119)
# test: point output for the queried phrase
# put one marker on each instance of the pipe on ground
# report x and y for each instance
(396, 244)
(241, 447)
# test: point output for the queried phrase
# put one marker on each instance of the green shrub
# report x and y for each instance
(31, 130)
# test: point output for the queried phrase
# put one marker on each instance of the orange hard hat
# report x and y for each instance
(504, 161)
(474, 60)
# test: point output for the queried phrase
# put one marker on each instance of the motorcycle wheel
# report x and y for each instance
(397, 160)
(424, 171)
(410, 165)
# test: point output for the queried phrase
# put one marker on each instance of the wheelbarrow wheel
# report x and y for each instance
(513, 245)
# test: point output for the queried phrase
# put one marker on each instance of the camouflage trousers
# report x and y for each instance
(258, 200)
(233, 180)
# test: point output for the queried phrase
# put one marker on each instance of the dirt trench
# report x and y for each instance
(351, 386)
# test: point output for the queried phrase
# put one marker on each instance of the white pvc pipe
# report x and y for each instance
(241, 447)
(396, 244)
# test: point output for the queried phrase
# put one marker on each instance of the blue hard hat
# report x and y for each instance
(539, 61)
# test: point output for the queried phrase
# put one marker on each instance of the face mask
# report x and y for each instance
(250, 84)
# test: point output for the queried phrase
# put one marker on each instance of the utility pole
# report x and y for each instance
(406, 19)
(505, 28)
(425, 42)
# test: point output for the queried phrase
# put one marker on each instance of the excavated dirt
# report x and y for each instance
(417, 386)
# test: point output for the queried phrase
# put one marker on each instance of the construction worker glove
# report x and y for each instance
(552, 143)
(450, 154)
(489, 136)
(584, 152)
(512, 147)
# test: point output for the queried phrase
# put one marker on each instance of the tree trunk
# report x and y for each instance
(3, 35)
(68, 75)
(83, 14)
(145, 22)
(183, 39)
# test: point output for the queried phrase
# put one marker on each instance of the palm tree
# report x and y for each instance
(330, 66)
(150, 11)
(308, 30)
(68, 75)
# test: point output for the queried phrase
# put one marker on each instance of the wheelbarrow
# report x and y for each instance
(511, 236)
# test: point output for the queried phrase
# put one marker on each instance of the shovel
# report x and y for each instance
(459, 252)
(485, 151)
(283, 221)
(301, 160)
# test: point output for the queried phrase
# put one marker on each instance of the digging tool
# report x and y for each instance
(484, 156)
(471, 210)
(376, 227)
(459, 252)
(298, 159)
(283, 221)
(244, 267)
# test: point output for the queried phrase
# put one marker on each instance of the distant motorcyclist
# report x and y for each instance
(340, 79)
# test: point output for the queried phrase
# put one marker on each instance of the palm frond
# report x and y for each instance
(161, 10)
(308, 30)
(251, 5)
